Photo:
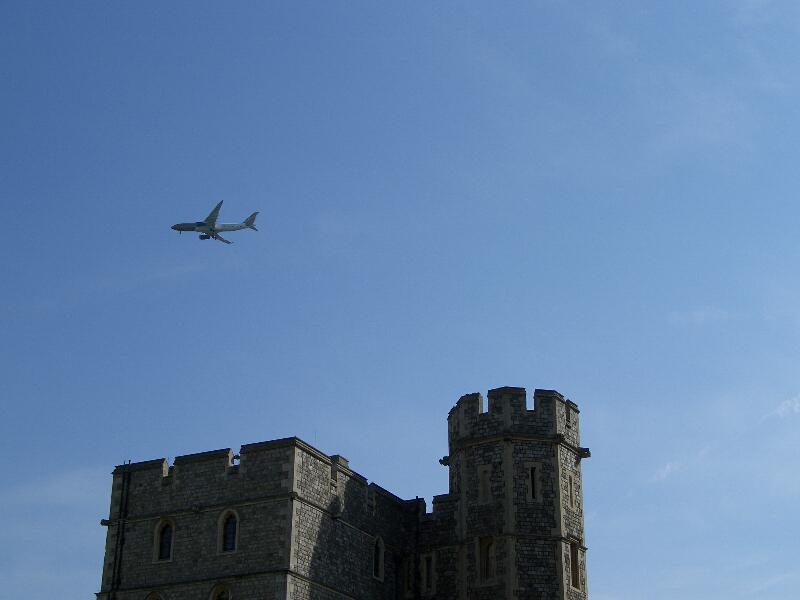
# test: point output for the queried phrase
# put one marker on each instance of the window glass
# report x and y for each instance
(428, 573)
(487, 558)
(408, 575)
(377, 559)
(484, 489)
(574, 566)
(165, 542)
(229, 535)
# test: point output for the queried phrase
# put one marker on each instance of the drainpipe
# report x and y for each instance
(122, 513)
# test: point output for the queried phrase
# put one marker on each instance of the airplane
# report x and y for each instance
(209, 228)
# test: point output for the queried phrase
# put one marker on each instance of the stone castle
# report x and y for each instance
(282, 520)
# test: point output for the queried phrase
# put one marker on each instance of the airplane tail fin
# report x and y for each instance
(251, 221)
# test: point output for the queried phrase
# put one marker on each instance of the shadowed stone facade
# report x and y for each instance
(282, 520)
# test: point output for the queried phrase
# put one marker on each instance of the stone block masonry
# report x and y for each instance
(282, 520)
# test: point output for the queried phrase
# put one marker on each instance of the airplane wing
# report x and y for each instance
(221, 239)
(211, 219)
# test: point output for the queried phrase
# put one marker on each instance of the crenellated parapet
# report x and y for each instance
(507, 413)
(515, 496)
(216, 477)
(308, 526)
(283, 468)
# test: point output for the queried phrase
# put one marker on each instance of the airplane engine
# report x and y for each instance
(204, 236)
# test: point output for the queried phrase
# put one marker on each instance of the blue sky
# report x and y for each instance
(595, 197)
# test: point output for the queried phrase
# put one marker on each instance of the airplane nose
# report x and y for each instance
(175, 227)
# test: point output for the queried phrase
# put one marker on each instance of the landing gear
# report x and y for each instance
(204, 236)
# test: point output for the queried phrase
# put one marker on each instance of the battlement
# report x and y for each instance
(159, 465)
(275, 468)
(443, 506)
(507, 413)
(511, 524)
(250, 456)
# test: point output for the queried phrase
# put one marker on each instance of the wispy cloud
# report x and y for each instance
(338, 225)
(58, 542)
(75, 487)
(785, 409)
(771, 582)
(754, 13)
(665, 471)
(687, 461)
(695, 111)
(699, 316)
(698, 116)
(108, 284)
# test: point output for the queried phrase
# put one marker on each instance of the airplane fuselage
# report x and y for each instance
(202, 227)
(211, 229)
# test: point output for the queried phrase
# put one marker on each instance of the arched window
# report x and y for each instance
(221, 592)
(377, 559)
(484, 483)
(228, 531)
(486, 557)
(163, 537)
(165, 542)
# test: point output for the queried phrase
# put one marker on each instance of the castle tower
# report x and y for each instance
(281, 520)
(516, 493)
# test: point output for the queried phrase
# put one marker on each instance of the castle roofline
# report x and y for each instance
(338, 460)
(335, 459)
(507, 389)
(141, 465)
(202, 456)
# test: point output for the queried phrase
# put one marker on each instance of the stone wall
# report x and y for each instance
(308, 526)
(337, 519)
(516, 483)
(192, 495)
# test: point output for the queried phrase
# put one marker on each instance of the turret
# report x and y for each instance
(515, 475)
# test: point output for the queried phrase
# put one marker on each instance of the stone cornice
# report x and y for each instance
(557, 439)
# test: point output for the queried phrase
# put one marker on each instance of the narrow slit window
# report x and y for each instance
(377, 559)
(429, 573)
(484, 489)
(571, 492)
(408, 576)
(229, 528)
(487, 558)
(534, 491)
(165, 542)
(574, 566)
